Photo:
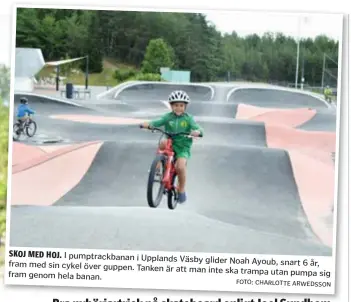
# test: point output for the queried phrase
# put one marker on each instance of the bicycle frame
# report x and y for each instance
(27, 120)
(170, 169)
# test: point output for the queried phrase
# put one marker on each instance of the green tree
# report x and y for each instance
(93, 45)
(4, 83)
(158, 54)
(189, 42)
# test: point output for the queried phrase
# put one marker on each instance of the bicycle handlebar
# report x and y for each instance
(168, 133)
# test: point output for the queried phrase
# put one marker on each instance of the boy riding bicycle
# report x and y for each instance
(23, 111)
(178, 121)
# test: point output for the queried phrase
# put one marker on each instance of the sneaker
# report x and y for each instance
(182, 197)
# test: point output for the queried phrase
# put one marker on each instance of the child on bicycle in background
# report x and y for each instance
(178, 121)
(23, 111)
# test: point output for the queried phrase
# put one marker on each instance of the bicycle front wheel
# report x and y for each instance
(172, 198)
(156, 176)
(31, 128)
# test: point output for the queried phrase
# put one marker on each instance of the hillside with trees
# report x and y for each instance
(182, 41)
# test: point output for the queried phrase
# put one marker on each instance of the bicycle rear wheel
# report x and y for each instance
(172, 195)
(34, 125)
(158, 165)
(16, 131)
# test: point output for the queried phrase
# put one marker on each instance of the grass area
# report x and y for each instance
(2, 228)
(4, 119)
(105, 78)
(2, 255)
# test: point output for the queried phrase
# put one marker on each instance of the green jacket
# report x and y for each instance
(328, 91)
(175, 124)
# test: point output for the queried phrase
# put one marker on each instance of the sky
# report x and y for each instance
(243, 23)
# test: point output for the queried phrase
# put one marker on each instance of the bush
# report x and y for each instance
(2, 223)
(122, 75)
(129, 74)
(146, 77)
(3, 189)
(2, 235)
(4, 123)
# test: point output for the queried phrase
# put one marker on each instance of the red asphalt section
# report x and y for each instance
(45, 178)
(23, 153)
(288, 117)
(98, 119)
(310, 155)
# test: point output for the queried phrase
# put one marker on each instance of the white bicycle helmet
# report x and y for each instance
(178, 96)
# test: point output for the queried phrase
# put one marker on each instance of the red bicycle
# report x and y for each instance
(164, 160)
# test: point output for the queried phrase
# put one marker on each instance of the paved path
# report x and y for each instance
(260, 181)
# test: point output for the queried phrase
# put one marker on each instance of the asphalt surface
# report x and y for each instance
(272, 98)
(324, 120)
(242, 196)
(149, 91)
